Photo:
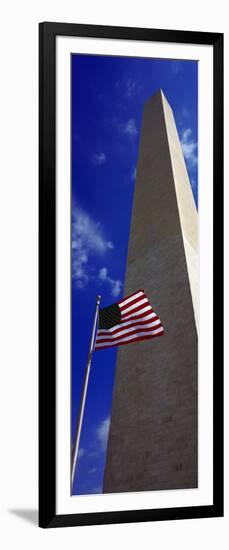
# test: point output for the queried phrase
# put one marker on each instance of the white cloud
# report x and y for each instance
(132, 87)
(130, 128)
(185, 112)
(98, 489)
(189, 147)
(133, 174)
(102, 433)
(187, 134)
(98, 158)
(92, 471)
(103, 273)
(81, 452)
(176, 67)
(93, 454)
(88, 241)
(128, 87)
(88, 244)
(98, 446)
(194, 186)
(115, 285)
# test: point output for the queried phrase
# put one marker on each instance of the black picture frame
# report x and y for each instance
(47, 273)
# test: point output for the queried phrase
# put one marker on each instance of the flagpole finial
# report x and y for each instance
(98, 299)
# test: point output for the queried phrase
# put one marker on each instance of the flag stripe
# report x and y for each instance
(131, 330)
(127, 340)
(133, 301)
(122, 329)
(134, 305)
(141, 317)
(142, 321)
(130, 298)
(129, 334)
(137, 312)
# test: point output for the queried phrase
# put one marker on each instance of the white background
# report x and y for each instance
(18, 289)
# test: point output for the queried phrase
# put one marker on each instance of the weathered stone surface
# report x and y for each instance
(153, 432)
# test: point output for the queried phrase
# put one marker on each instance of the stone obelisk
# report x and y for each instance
(153, 431)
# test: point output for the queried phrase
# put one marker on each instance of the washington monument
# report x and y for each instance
(153, 433)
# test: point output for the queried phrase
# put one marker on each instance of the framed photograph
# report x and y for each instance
(131, 275)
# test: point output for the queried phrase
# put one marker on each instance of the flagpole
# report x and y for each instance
(76, 443)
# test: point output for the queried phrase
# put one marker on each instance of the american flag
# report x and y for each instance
(130, 320)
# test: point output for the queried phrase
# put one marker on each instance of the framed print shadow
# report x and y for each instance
(130, 275)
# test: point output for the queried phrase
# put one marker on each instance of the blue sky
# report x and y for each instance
(108, 94)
